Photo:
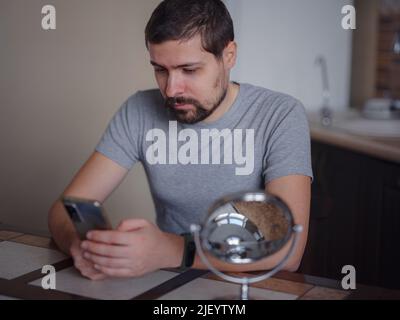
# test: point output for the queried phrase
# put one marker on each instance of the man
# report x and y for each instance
(190, 136)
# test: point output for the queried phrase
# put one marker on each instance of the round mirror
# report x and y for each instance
(245, 228)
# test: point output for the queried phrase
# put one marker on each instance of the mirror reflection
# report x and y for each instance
(244, 229)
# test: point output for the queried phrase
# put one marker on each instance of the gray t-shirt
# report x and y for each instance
(263, 136)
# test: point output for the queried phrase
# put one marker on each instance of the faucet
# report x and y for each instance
(325, 111)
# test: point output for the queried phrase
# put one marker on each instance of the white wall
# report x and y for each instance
(279, 41)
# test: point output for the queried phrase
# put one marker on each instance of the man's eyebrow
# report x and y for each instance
(186, 65)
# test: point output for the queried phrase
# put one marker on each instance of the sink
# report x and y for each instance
(354, 123)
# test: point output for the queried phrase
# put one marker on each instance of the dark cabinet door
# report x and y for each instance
(354, 218)
(343, 182)
(331, 243)
(390, 231)
(369, 213)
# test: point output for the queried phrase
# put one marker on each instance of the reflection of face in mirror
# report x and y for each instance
(242, 230)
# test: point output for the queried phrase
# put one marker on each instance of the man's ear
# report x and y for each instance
(230, 53)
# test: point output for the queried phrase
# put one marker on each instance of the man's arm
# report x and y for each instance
(296, 192)
(97, 179)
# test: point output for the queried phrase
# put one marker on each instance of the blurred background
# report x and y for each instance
(59, 89)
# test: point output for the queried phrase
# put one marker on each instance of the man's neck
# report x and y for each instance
(232, 92)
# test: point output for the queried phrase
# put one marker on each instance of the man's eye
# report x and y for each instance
(160, 70)
(189, 71)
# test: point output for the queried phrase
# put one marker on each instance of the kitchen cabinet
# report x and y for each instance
(355, 217)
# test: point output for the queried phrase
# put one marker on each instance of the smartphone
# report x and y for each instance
(86, 215)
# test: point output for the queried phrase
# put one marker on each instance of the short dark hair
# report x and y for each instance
(183, 19)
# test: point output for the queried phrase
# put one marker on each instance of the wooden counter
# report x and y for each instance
(385, 149)
(377, 147)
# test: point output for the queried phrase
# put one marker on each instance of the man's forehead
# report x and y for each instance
(177, 52)
(184, 65)
(193, 42)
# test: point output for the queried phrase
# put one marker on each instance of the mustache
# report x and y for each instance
(171, 102)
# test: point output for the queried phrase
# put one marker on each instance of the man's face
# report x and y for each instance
(192, 81)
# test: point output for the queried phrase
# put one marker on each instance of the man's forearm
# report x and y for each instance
(61, 228)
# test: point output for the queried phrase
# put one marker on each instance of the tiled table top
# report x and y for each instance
(69, 280)
(169, 285)
(18, 259)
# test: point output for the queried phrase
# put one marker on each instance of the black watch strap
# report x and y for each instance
(189, 251)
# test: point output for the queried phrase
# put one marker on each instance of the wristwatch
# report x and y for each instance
(189, 251)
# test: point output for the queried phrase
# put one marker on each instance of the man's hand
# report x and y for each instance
(85, 267)
(135, 248)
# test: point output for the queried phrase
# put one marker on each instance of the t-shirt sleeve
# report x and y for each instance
(289, 145)
(120, 140)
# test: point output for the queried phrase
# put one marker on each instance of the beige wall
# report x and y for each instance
(58, 90)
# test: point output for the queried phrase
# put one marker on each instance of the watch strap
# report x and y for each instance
(189, 251)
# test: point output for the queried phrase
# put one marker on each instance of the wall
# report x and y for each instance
(365, 42)
(279, 41)
(58, 90)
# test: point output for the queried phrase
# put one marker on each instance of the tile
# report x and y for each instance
(206, 289)
(70, 281)
(35, 241)
(18, 259)
(6, 235)
(320, 293)
(274, 284)
(291, 287)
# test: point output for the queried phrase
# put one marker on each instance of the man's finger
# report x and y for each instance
(87, 269)
(106, 261)
(98, 277)
(93, 274)
(106, 250)
(109, 236)
(114, 272)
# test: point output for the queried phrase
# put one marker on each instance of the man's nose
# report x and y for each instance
(175, 86)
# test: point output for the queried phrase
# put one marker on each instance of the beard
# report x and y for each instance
(199, 113)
